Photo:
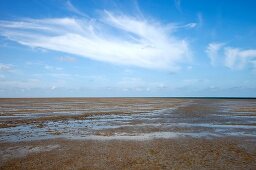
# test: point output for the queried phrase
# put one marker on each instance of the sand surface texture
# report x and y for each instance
(127, 133)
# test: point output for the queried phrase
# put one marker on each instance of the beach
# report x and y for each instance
(127, 133)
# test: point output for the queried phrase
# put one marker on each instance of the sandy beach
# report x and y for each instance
(127, 133)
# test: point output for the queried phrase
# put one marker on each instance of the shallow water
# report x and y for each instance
(143, 119)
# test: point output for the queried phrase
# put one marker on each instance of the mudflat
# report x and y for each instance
(127, 133)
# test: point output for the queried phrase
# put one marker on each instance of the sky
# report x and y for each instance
(127, 48)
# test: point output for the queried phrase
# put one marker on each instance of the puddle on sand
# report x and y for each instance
(16, 152)
(146, 136)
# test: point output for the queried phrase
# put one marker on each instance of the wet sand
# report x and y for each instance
(127, 133)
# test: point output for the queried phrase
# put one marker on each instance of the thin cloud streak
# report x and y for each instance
(73, 9)
(200, 19)
(213, 52)
(117, 39)
(177, 5)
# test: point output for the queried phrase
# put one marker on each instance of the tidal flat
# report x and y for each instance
(127, 133)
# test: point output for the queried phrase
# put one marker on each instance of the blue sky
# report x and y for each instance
(72, 48)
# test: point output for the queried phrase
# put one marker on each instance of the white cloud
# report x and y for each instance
(231, 55)
(233, 58)
(213, 51)
(117, 39)
(53, 87)
(5, 67)
(237, 58)
(191, 25)
(47, 67)
(66, 59)
(73, 9)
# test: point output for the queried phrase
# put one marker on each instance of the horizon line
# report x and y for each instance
(190, 97)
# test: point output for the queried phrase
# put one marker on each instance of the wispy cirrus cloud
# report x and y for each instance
(213, 50)
(74, 9)
(200, 19)
(232, 58)
(118, 39)
(178, 5)
(237, 58)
